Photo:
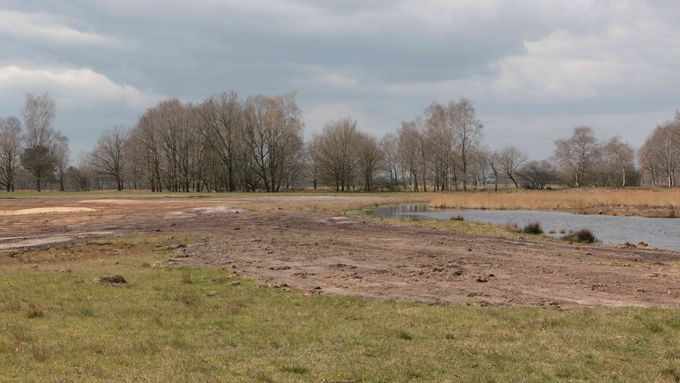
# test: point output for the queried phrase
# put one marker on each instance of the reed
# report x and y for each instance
(570, 199)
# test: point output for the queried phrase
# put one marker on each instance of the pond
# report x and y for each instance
(662, 233)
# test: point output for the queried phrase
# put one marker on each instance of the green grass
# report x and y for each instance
(458, 226)
(178, 324)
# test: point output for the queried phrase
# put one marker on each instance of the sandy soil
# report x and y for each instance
(47, 210)
(324, 253)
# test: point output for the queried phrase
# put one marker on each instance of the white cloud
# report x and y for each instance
(72, 87)
(44, 28)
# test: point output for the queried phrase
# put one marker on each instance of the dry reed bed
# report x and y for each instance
(571, 199)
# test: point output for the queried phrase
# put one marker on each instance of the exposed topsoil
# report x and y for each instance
(321, 252)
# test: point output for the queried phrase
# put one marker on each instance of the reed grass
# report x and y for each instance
(571, 199)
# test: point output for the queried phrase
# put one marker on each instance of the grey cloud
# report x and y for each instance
(549, 62)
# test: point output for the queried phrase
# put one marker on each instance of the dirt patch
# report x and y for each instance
(218, 209)
(46, 210)
(113, 201)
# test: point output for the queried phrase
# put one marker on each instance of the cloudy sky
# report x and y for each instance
(534, 69)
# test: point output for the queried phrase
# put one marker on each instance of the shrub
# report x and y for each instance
(581, 236)
(457, 218)
(533, 228)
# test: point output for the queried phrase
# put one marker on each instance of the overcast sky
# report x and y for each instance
(534, 69)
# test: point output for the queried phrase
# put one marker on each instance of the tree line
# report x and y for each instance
(227, 144)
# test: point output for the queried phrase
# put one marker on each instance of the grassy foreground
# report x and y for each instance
(204, 324)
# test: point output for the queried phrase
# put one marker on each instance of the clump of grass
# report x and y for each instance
(295, 370)
(187, 299)
(533, 228)
(457, 218)
(34, 311)
(581, 236)
(186, 276)
(404, 335)
(13, 305)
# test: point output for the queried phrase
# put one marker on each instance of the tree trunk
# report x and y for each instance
(623, 183)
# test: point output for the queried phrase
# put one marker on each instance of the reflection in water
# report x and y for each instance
(657, 232)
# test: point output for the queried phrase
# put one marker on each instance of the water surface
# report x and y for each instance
(662, 233)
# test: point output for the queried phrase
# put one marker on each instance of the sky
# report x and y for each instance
(534, 69)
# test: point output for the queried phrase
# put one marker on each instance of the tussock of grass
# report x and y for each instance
(581, 236)
(533, 228)
(34, 311)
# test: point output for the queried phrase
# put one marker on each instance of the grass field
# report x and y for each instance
(205, 324)
(180, 324)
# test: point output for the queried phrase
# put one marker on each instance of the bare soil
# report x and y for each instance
(326, 253)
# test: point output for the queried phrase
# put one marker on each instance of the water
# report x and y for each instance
(662, 233)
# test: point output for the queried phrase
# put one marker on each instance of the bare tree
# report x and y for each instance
(439, 141)
(336, 152)
(61, 156)
(313, 160)
(109, 157)
(147, 147)
(648, 163)
(619, 159)
(410, 138)
(661, 152)
(39, 140)
(10, 149)
(479, 165)
(467, 131)
(222, 127)
(537, 174)
(509, 160)
(577, 155)
(494, 165)
(273, 136)
(389, 148)
(369, 160)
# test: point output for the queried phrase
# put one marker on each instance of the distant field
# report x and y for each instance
(631, 201)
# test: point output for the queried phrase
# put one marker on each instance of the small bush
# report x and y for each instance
(581, 236)
(457, 218)
(404, 335)
(533, 228)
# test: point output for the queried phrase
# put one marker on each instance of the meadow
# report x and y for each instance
(205, 324)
